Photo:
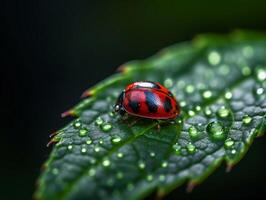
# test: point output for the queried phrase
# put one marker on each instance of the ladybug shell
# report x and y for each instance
(150, 102)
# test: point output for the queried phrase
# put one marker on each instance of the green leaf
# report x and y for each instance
(220, 82)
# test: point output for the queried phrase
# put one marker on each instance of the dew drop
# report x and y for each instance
(246, 71)
(197, 108)
(116, 139)
(99, 121)
(216, 130)
(89, 141)
(111, 114)
(141, 165)
(120, 155)
(92, 172)
(96, 149)
(207, 94)
(248, 51)
(246, 119)
(106, 127)
(168, 83)
(100, 141)
(223, 112)
(261, 74)
(214, 58)
(164, 164)
(191, 148)
(228, 143)
(177, 148)
(191, 113)
(207, 111)
(152, 154)
(189, 88)
(77, 124)
(149, 177)
(55, 171)
(224, 69)
(106, 163)
(259, 91)
(83, 150)
(69, 147)
(183, 103)
(228, 95)
(119, 175)
(83, 132)
(193, 132)
(162, 177)
(233, 151)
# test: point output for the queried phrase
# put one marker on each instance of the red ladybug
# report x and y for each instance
(147, 100)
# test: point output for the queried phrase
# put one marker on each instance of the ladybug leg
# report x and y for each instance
(158, 126)
(133, 122)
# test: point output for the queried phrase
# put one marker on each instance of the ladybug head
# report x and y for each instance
(118, 107)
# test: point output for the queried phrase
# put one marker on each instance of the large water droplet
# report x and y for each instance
(99, 121)
(207, 94)
(177, 148)
(141, 164)
(116, 139)
(83, 132)
(191, 148)
(246, 119)
(193, 132)
(216, 130)
(214, 58)
(106, 127)
(223, 112)
(229, 143)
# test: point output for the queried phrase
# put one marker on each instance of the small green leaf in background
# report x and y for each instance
(220, 83)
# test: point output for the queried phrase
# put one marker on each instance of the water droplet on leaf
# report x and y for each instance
(207, 94)
(106, 127)
(214, 58)
(99, 121)
(141, 165)
(83, 132)
(106, 163)
(223, 112)
(116, 139)
(216, 130)
(228, 143)
(246, 119)
(191, 148)
(177, 148)
(193, 132)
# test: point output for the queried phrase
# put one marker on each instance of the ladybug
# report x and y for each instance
(147, 99)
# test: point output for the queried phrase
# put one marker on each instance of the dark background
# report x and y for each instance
(52, 50)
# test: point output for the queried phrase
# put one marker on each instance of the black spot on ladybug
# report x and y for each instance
(134, 105)
(150, 101)
(167, 104)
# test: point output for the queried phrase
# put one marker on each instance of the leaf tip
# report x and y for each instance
(87, 93)
(190, 186)
(229, 167)
(68, 113)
